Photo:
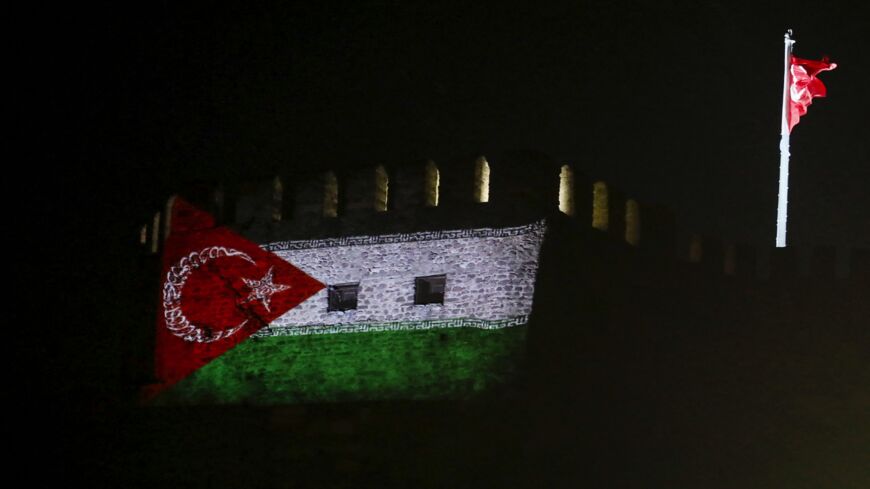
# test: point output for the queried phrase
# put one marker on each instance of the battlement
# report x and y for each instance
(509, 189)
(453, 265)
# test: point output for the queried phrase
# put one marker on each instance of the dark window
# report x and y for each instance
(429, 290)
(342, 297)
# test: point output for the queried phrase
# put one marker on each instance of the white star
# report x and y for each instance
(263, 289)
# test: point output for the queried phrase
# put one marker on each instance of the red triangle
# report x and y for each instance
(217, 289)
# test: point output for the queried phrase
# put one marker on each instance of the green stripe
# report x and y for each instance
(450, 363)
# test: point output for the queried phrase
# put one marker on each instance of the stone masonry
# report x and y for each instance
(490, 278)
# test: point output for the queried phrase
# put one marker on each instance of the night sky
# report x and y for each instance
(674, 102)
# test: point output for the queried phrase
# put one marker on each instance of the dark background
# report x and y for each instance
(674, 102)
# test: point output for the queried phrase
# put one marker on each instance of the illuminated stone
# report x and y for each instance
(566, 190)
(481, 180)
(382, 189)
(632, 222)
(432, 184)
(277, 199)
(600, 207)
(490, 275)
(330, 195)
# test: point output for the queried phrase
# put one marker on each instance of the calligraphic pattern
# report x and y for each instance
(404, 237)
(272, 330)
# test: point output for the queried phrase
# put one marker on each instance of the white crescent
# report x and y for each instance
(176, 277)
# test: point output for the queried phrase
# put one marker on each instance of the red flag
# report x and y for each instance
(217, 290)
(805, 86)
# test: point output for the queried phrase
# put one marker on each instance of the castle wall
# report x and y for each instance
(524, 187)
(490, 257)
(490, 279)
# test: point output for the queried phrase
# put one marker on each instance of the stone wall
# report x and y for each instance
(524, 187)
(490, 278)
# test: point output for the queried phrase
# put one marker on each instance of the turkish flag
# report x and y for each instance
(217, 289)
(805, 86)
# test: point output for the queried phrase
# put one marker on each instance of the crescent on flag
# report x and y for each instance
(218, 289)
(176, 321)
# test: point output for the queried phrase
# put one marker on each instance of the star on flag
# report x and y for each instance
(262, 290)
(206, 270)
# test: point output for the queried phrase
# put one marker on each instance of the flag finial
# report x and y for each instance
(788, 39)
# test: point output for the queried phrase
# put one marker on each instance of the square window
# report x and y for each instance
(342, 297)
(429, 290)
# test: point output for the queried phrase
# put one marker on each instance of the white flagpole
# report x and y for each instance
(782, 203)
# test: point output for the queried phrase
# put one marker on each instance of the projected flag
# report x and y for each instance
(217, 290)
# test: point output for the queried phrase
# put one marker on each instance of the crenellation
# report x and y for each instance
(658, 230)
(307, 201)
(254, 204)
(406, 189)
(601, 206)
(457, 181)
(481, 179)
(524, 183)
(632, 222)
(391, 263)
(513, 188)
(359, 193)
(431, 184)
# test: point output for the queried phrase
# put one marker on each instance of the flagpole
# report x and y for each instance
(782, 203)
